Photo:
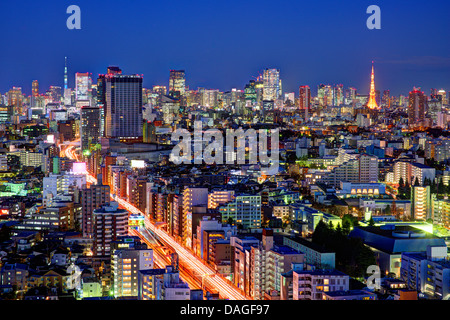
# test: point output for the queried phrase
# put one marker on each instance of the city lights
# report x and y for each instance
(233, 159)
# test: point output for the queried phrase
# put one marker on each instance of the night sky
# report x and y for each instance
(224, 44)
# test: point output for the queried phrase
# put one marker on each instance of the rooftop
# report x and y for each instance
(348, 293)
(152, 272)
(419, 165)
(284, 250)
(333, 272)
(308, 244)
(396, 239)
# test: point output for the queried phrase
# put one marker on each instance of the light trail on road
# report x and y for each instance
(211, 279)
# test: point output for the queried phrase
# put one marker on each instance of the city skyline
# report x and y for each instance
(365, 89)
(229, 53)
(224, 151)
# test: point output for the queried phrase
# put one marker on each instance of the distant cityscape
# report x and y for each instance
(93, 205)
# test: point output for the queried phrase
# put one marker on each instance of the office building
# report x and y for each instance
(123, 111)
(304, 100)
(83, 92)
(272, 84)
(177, 83)
(417, 107)
(89, 127)
(16, 100)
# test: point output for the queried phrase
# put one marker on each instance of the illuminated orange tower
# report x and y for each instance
(372, 104)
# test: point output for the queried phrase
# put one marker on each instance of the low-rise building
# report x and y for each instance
(427, 272)
(349, 295)
(390, 241)
(313, 284)
(314, 254)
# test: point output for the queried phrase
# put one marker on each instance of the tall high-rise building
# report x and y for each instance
(15, 100)
(55, 94)
(123, 111)
(259, 88)
(101, 95)
(416, 107)
(92, 198)
(209, 97)
(421, 202)
(250, 92)
(350, 94)
(433, 93)
(338, 95)
(304, 99)
(325, 95)
(386, 100)
(372, 104)
(83, 83)
(89, 127)
(272, 84)
(35, 88)
(34, 93)
(110, 223)
(177, 83)
(443, 96)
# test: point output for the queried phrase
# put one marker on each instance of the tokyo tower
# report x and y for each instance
(372, 104)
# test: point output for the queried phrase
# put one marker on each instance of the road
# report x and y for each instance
(192, 270)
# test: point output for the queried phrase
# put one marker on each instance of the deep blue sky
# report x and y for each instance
(223, 44)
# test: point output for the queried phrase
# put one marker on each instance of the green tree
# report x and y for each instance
(346, 227)
(407, 192)
(348, 222)
(401, 183)
(320, 232)
(416, 182)
(433, 186)
(352, 256)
